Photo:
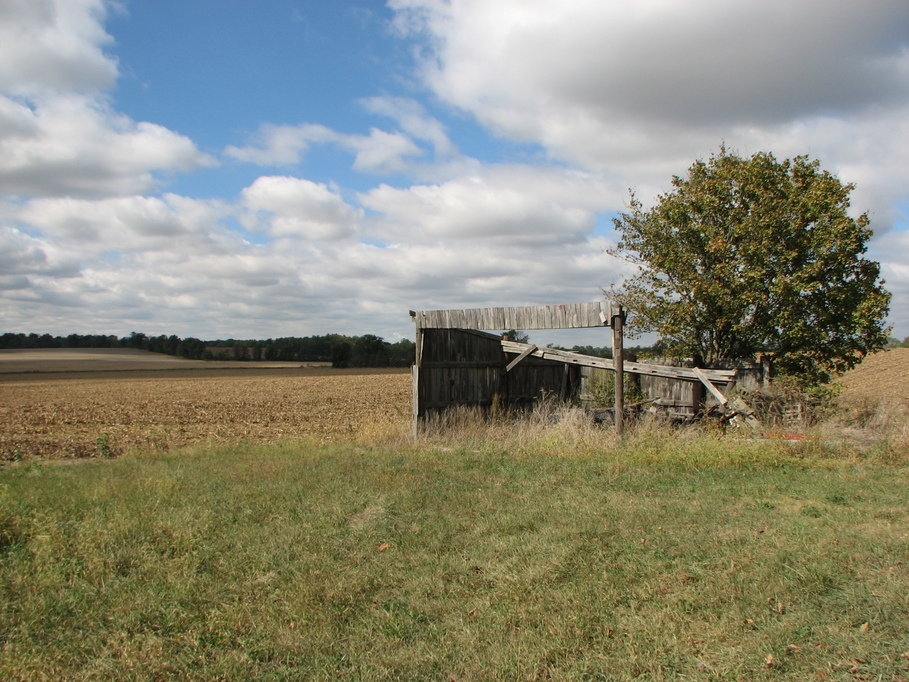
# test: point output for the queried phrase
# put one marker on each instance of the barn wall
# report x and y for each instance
(461, 367)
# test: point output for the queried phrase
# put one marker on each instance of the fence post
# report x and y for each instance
(618, 358)
(415, 374)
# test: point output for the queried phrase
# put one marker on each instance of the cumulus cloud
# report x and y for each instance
(741, 62)
(513, 204)
(614, 94)
(891, 250)
(637, 91)
(285, 206)
(136, 223)
(68, 145)
(414, 120)
(58, 134)
(22, 255)
(378, 152)
(645, 88)
(54, 45)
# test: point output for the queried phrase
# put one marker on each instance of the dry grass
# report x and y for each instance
(65, 418)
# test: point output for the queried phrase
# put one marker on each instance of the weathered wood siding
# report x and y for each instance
(681, 398)
(567, 316)
(460, 367)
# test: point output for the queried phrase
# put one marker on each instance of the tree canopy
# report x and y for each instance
(754, 254)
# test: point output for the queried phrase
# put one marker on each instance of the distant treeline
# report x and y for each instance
(341, 351)
(631, 353)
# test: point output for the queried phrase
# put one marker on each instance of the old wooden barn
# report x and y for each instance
(459, 363)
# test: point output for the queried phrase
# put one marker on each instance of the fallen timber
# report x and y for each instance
(716, 376)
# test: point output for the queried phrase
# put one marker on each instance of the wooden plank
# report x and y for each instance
(699, 373)
(570, 316)
(511, 365)
(721, 376)
(460, 364)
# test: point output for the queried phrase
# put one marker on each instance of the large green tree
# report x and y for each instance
(754, 254)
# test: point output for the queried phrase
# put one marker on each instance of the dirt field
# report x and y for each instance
(111, 402)
(882, 375)
(112, 359)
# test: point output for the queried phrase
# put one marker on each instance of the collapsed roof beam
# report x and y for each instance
(719, 376)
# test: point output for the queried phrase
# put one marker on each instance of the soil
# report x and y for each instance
(883, 375)
(82, 360)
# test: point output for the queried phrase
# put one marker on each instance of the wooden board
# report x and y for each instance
(720, 376)
(567, 316)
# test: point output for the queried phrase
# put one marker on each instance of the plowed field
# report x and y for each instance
(883, 376)
(85, 414)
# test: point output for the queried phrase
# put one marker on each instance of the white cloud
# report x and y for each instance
(643, 89)
(54, 45)
(74, 146)
(616, 94)
(512, 62)
(892, 252)
(508, 204)
(136, 223)
(58, 134)
(637, 91)
(378, 152)
(413, 119)
(285, 206)
(276, 145)
(22, 255)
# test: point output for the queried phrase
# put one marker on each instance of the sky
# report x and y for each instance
(257, 169)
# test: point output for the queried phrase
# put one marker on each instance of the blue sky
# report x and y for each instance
(228, 168)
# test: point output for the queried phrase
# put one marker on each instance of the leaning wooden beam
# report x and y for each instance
(511, 365)
(699, 373)
(717, 376)
(568, 316)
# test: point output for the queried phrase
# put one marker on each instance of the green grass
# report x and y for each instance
(657, 557)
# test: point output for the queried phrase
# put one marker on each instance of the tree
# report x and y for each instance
(749, 255)
(514, 335)
(341, 353)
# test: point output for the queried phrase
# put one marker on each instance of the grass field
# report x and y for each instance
(542, 549)
(346, 562)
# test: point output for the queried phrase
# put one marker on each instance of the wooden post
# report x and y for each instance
(415, 374)
(619, 360)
